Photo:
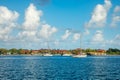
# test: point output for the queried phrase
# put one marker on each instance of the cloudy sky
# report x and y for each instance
(61, 24)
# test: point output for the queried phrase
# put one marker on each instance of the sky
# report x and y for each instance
(60, 24)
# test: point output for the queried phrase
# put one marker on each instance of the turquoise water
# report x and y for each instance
(59, 68)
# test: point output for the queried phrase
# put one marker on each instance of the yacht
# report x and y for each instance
(66, 55)
(48, 54)
(49, 51)
(80, 54)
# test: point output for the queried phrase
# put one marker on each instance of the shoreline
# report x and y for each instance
(57, 55)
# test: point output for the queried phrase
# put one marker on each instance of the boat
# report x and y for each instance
(80, 54)
(49, 50)
(48, 54)
(66, 55)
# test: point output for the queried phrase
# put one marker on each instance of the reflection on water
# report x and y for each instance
(59, 68)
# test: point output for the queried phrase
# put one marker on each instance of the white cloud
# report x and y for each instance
(66, 35)
(7, 22)
(115, 42)
(86, 32)
(117, 9)
(76, 36)
(27, 34)
(7, 16)
(117, 37)
(33, 29)
(98, 37)
(98, 41)
(99, 15)
(107, 4)
(56, 42)
(115, 20)
(116, 16)
(32, 18)
(46, 31)
(31, 23)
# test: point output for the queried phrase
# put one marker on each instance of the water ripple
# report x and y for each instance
(59, 68)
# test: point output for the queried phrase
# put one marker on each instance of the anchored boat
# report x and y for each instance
(80, 54)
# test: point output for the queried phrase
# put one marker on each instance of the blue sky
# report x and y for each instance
(35, 24)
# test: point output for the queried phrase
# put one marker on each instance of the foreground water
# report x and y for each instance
(59, 68)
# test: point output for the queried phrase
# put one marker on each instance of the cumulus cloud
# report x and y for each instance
(99, 41)
(46, 31)
(116, 16)
(115, 42)
(56, 42)
(32, 18)
(66, 35)
(86, 32)
(117, 9)
(7, 16)
(98, 37)
(99, 15)
(32, 28)
(115, 20)
(117, 37)
(7, 22)
(76, 36)
(107, 4)
(27, 34)
(31, 23)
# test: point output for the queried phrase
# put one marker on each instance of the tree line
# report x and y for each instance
(14, 51)
(112, 51)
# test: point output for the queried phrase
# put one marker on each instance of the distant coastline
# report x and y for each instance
(59, 52)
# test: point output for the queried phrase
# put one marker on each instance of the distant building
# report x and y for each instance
(98, 52)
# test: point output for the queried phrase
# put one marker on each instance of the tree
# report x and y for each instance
(112, 51)
(13, 51)
(3, 51)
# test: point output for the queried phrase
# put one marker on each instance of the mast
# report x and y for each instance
(48, 43)
(81, 44)
(48, 46)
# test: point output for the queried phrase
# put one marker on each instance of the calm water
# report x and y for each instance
(59, 68)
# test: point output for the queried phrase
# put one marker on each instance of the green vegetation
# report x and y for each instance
(3, 51)
(88, 51)
(111, 51)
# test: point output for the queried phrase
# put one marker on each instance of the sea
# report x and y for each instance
(59, 68)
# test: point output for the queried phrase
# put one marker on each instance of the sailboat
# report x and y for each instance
(48, 53)
(81, 54)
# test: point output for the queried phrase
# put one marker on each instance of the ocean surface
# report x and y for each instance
(59, 68)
